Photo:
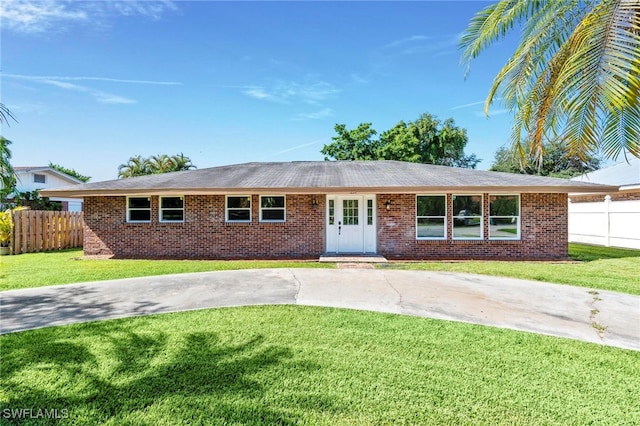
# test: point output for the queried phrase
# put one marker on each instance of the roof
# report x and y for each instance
(622, 174)
(46, 169)
(327, 177)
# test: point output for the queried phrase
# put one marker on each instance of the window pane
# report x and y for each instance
(142, 215)
(431, 205)
(431, 228)
(272, 202)
(171, 202)
(39, 178)
(331, 212)
(272, 214)
(469, 205)
(504, 205)
(175, 215)
(503, 227)
(238, 202)
(472, 231)
(239, 215)
(369, 212)
(139, 203)
(350, 212)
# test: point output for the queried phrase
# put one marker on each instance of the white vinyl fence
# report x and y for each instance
(606, 223)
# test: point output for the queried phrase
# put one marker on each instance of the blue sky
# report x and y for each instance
(94, 83)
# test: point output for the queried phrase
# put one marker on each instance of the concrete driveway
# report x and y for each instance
(578, 313)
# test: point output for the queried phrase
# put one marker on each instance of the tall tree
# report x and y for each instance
(558, 162)
(573, 75)
(425, 140)
(356, 144)
(161, 163)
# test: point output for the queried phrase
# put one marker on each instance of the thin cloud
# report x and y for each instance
(63, 82)
(99, 95)
(468, 105)
(492, 113)
(291, 91)
(294, 148)
(39, 16)
(405, 41)
(472, 104)
(418, 44)
(107, 79)
(318, 115)
(259, 93)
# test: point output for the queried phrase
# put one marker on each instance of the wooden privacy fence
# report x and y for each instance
(37, 230)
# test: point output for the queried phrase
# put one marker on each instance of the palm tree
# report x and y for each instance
(136, 166)
(7, 174)
(181, 162)
(573, 75)
(161, 163)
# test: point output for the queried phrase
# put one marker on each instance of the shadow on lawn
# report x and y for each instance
(146, 378)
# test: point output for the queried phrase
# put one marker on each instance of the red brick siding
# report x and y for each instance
(206, 235)
(543, 231)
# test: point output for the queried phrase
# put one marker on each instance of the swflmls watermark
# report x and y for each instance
(34, 413)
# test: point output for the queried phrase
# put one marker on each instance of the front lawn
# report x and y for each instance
(604, 268)
(305, 365)
(69, 266)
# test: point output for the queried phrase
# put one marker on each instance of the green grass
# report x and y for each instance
(303, 365)
(68, 266)
(604, 268)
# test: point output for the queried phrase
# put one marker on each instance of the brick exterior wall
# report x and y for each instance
(544, 231)
(598, 198)
(206, 235)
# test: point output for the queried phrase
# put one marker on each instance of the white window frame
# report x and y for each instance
(226, 208)
(284, 209)
(444, 218)
(161, 209)
(138, 209)
(44, 178)
(454, 217)
(518, 235)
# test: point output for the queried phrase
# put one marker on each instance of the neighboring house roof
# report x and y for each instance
(327, 177)
(626, 175)
(46, 169)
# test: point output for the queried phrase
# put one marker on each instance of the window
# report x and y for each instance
(332, 212)
(37, 178)
(467, 217)
(369, 212)
(171, 209)
(272, 208)
(139, 209)
(350, 212)
(504, 217)
(239, 208)
(431, 211)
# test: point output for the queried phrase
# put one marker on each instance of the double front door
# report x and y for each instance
(351, 224)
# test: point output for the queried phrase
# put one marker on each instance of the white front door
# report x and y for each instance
(351, 224)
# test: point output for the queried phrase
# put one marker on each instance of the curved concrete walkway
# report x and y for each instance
(578, 313)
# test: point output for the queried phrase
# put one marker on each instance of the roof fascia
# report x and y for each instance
(569, 189)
